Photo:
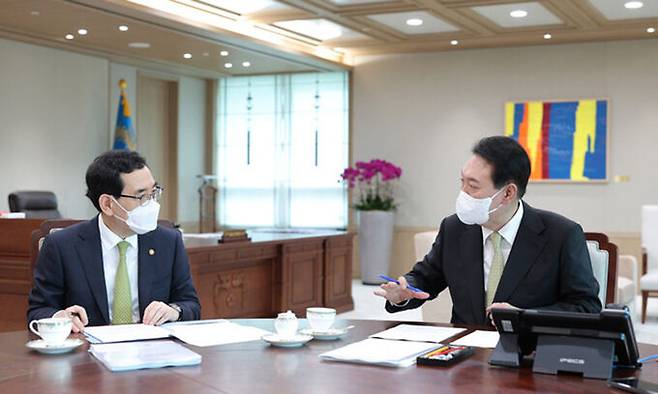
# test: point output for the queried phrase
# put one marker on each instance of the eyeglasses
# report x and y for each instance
(144, 199)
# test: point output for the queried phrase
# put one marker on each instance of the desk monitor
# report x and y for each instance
(587, 343)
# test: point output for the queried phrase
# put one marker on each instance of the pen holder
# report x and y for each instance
(445, 355)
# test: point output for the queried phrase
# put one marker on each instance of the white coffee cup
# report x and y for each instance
(53, 331)
(320, 319)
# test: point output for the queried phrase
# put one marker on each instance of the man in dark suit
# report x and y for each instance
(497, 251)
(119, 267)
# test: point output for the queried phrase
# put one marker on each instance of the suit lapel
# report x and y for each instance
(471, 255)
(145, 261)
(528, 245)
(91, 257)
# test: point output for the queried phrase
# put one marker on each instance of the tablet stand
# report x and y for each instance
(507, 352)
(591, 357)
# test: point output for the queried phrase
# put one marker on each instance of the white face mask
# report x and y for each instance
(142, 219)
(471, 210)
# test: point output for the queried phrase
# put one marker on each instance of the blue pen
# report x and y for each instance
(410, 287)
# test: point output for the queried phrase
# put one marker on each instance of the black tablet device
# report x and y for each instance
(521, 330)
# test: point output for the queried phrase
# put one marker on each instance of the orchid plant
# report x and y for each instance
(373, 180)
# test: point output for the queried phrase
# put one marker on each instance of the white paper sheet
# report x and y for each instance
(141, 355)
(213, 333)
(389, 353)
(124, 332)
(479, 338)
(408, 332)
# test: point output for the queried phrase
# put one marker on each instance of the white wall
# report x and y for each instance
(53, 122)
(191, 146)
(425, 111)
(58, 112)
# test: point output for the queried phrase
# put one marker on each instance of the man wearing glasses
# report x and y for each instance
(119, 267)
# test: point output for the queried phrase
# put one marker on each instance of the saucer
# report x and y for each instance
(327, 335)
(295, 341)
(40, 346)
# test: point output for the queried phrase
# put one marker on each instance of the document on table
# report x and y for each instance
(479, 338)
(141, 355)
(124, 333)
(213, 333)
(408, 332)
(197, 333)
(380, 352)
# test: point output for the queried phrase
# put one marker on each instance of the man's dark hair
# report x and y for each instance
(104, 173)
(509, 160)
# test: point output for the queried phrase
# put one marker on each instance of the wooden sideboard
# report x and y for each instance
(272, 273)
(15, 275)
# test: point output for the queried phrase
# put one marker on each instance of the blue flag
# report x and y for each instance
(124, 134)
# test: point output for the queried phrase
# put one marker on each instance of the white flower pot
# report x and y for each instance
(375, 244)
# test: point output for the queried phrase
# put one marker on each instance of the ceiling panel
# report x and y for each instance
(398, 21)
(615, 10)
(500, 14)
(319, 29)
(246, 7)
(354, 2)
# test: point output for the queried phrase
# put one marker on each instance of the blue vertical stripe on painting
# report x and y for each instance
(595, 161)
(561, 130)
(518, 118)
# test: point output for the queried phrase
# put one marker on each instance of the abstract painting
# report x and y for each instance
(566, 140)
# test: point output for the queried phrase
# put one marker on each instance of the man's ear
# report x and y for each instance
(511, 192)
(105, 203)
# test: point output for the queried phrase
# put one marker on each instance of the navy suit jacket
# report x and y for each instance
(547, 268)
(69, 271)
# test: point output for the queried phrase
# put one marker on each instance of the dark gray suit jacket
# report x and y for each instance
(548, 268)
(69, 271)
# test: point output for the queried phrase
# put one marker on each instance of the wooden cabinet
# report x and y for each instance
(273, 274)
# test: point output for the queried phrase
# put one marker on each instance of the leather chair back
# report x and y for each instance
(35, 204)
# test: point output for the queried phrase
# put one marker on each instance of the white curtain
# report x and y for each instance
(282, 144)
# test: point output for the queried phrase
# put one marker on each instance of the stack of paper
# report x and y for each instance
(141, 355)
(408, 332)
(197, 333)
(380, 352)
(214, 333)
(479, 338)
(124, 332)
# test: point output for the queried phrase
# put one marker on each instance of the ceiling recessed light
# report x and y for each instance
(547, 36)
(123, 28)
(518, 14)
(83, 32)
(228, 65)
(223, 53)
(187, 55)
(651, 30)
(633, 5)
(454, 42)
(246, 64)
(414, 22)
(35, 13)
(69, 36)
(139, 45)
(206, 54)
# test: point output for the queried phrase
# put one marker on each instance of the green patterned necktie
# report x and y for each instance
(122, 310)
(497, 265)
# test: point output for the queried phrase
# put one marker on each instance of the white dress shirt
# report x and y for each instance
(508, 234)
(109, 241)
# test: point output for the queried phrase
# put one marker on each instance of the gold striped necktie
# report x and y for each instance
(122, 304)
(497, 266)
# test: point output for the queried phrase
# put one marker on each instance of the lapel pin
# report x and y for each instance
(151, 252)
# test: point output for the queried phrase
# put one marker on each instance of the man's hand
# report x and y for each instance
(158, 312)
(397, 293)
(78, 316)
(498, 305)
